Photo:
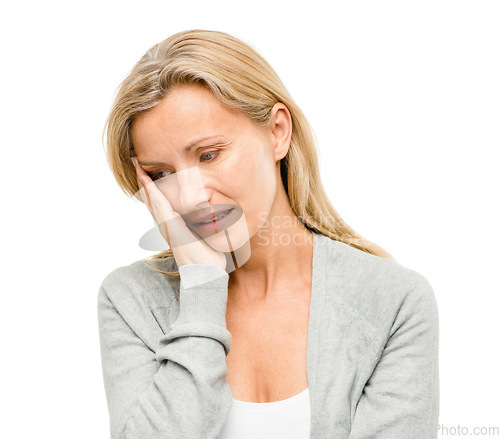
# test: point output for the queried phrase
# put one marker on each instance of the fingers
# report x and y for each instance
(187, 247)
(156, 202)
(145, 196)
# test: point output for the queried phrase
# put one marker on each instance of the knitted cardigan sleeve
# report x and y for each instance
(401, 398)
(179, 391)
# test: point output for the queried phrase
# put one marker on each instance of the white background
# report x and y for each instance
(403, 97)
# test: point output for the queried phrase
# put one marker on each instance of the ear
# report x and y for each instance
(281, 128)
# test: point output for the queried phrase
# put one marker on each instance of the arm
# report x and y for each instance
(180, 391)
(401, 398)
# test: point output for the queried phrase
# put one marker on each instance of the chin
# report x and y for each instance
(231, 239)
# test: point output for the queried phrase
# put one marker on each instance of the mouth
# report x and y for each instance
(215, 223)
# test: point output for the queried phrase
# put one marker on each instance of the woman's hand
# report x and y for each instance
(186, 247)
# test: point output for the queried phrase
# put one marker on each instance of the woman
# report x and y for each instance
(268, 317)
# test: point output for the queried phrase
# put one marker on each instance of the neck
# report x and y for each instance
(281, 252)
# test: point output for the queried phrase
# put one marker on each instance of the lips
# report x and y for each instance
(197, 221)
(211, 216)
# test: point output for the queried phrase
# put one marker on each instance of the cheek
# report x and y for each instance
(253, 184)
(260, 188)
(249, 179)
(257, 168)
(263, 175)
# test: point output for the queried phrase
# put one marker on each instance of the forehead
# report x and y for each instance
(188, 111)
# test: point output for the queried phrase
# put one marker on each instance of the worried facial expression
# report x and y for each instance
(204, 156)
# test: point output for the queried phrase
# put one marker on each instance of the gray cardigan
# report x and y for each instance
(372, 349)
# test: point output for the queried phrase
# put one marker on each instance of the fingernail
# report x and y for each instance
(134, 161)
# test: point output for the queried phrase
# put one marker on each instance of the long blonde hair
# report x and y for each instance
(241, 79)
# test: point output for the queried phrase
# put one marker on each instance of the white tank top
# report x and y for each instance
(289, 418)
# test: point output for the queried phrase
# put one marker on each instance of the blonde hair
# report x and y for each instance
(241, 79)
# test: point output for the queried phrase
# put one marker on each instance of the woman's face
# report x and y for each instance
(232, 165)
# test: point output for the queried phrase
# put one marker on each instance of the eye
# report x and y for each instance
(209, 154)
(157, 175)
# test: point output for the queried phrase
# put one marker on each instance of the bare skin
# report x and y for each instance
(269, 296)
(267, 361)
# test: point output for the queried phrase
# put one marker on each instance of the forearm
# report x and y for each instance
(180, 391)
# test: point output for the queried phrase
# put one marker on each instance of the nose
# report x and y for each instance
(192, 191)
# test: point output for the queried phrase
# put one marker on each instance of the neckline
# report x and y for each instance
(318, 284)
(273, 404)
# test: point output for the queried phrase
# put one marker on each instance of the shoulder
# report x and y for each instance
(374, 290)
(140, 282)
(139, 297)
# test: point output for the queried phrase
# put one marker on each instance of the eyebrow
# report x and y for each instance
(186, 149)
